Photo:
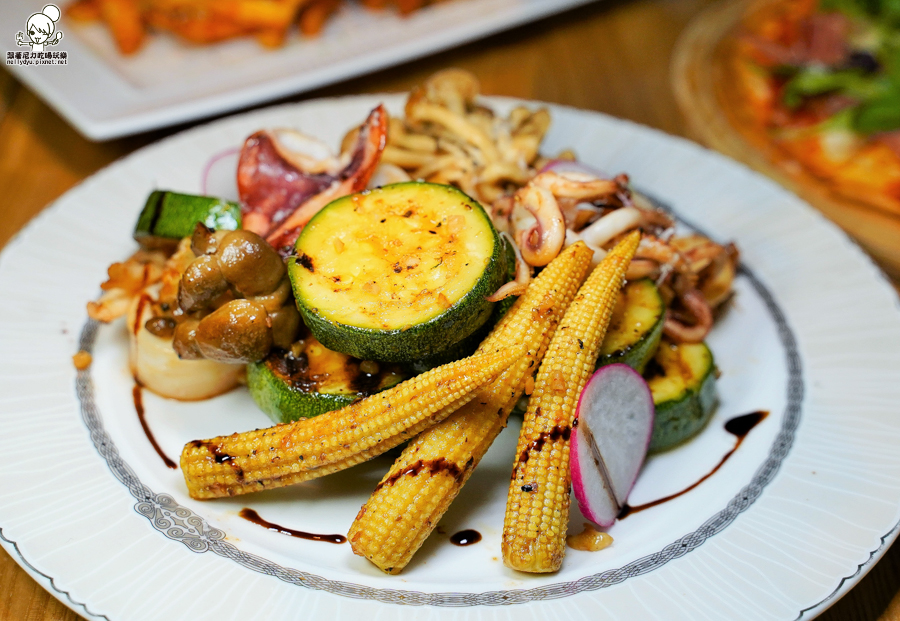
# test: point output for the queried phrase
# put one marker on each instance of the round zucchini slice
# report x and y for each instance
(312, 380)
(635, 327)
(468, 345)
(169, 216)
(399, 273)
(682, 379)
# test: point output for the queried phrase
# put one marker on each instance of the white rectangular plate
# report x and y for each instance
(106, 95)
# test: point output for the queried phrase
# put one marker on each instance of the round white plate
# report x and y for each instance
(793, 519)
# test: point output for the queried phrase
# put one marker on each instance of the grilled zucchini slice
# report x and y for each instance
(682, 379)
(399, 273)
(169, 216)
(635, 327)
(312, 380)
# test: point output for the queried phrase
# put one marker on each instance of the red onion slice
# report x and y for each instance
(561, 166)
(219, 176)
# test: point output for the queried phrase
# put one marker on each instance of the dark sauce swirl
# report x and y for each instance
(563, 432)
(739, 427)
(465, 537)
(137, 395)
(220, 456)
(432, 466)
(252, 516)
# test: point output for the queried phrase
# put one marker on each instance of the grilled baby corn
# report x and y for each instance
(537, 509)
(410, 500)
(308, 448)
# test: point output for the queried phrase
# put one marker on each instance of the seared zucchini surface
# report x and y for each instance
(288, 385)
(169, 216)
(682, 379)
(399, 273)
(635, 327)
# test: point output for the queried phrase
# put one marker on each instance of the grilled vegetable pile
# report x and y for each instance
(400, 273)
(362, 320)
(411, 498)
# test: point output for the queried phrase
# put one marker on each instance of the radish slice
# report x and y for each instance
(614, 423)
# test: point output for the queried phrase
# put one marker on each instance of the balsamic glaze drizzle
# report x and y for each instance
(138, 397)
(465, 537)
(433, 466)
(537, 445)
(739, 427)
(252, 516)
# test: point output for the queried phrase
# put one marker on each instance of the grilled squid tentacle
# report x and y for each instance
(541, 242)
(284, 178)
(521, 281)
(600, 232)
(681, 332)
(579, 186)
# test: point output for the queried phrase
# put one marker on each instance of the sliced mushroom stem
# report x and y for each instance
(285, 326)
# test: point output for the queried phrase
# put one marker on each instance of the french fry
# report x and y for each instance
(83, 11)
(124, 20)
(271, 37)
(315, 14)
(267, 15)
(408, 6)
(211, 21)
(200, 29)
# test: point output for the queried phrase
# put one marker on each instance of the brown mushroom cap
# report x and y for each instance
(205, 240)
(238, 331)
(249, 263)
(184, 341)
(285, 326)
(201, 283)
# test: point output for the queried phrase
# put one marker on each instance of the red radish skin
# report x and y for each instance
(610, 440)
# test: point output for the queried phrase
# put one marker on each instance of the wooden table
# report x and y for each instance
(612, 56)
